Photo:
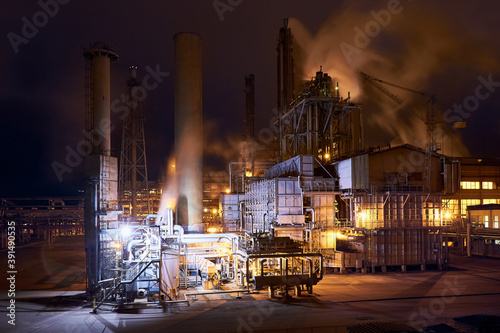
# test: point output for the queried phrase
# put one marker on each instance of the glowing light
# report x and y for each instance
(327, 156)
(205, 210)
(125, 231)
(228, 191)
(212, 230)
(362, 215)
(224, 250)
(340, 236)
(173, 165)
(214, 211)
(116, 245)
(248, 174)
(447, 215)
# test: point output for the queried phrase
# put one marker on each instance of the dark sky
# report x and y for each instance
(440, 48)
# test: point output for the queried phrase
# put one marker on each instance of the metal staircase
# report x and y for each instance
(127, 276)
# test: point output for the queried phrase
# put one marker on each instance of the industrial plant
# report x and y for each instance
(314, 199)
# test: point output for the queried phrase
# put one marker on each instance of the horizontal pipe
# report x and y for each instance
(282, 255)
(216, 292)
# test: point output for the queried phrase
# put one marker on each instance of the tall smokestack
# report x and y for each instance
(250, 146)
(285, 75)
(188, 129)
(250, 107)
(100, 56)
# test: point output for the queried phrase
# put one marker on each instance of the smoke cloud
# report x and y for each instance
(227, 149)
(404, 45)
(170, 188)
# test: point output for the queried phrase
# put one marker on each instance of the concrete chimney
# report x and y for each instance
(188, 130)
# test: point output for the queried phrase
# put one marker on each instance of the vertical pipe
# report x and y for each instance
(469, 245)
(250, 127)
(188, 129)
(286, 277)
(250, 106)
(248, 274)
(309, 132)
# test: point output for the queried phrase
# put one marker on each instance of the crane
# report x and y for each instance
(429, 119)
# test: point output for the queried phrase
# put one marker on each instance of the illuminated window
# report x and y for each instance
(451, 206)
(469, 185)
(487, 185)
(468, 202)
(490, 201)
(486, 221)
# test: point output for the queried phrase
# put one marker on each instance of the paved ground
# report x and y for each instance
(49, 298)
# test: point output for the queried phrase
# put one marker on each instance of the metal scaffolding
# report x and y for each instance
(320, 123)
(134, 188)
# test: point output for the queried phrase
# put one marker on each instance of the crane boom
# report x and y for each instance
(429, 119)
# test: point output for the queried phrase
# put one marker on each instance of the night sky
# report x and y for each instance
(448, 48)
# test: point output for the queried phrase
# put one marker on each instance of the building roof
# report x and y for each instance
(379, 150)
(484, 207)
(479, 161)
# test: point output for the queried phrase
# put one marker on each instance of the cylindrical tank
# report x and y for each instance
(188, 129)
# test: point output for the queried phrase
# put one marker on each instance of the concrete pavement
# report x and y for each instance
(48, 300)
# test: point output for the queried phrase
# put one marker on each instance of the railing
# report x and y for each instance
(343, 223)
(127, 276)
(403, 188)
(130, 274)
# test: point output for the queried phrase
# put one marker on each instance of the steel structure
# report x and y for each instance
(150, 264)
(320, 123)
(133, 177)
(430, 116)
(286, 70)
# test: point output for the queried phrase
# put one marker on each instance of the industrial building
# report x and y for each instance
(132, 257)
(470, 213)
(314, 199)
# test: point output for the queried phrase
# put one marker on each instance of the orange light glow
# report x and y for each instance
(340, 236)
